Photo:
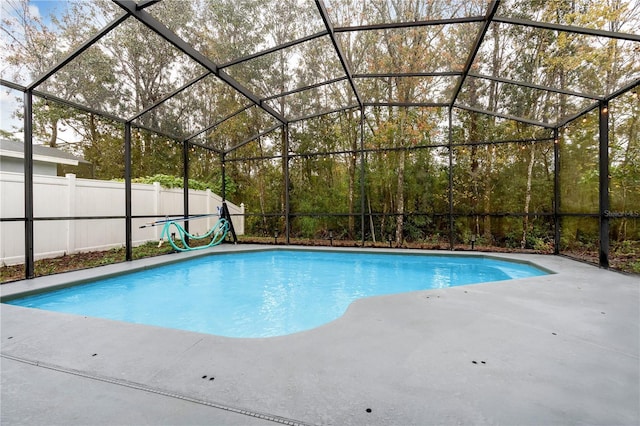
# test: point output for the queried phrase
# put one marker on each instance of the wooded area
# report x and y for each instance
(395, 130)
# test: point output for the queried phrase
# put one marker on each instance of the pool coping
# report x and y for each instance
(22, 288)
(557, 349)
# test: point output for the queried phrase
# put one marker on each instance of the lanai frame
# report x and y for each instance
(136, 11)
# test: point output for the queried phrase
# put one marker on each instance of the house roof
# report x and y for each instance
(42, 153)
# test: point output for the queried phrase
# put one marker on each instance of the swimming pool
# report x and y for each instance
(267, 293)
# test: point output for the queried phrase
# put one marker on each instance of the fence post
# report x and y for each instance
(71, 212)
(241, 219)
(208, 209)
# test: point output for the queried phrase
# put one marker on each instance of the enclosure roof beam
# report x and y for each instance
(635, 83)
(567, 28)
(394, 25)
(170, 95)
(252, 97)
(80, 107)
(201, 145)
(320, 114)
(273, 49)
(303, 88)
(49, 97)
(219, 122)
(410, 74)
(595, 105)
(491, 11)
(300, 89)
(505, 141)
(536, 86)
(322, 9)
(146, 3)
(577, 115)
(310, 154)
(171, 37)
(164, 32)
(505, 116)
(156, 131)
(79, 50)
(252, 138)
(407, 104)
(12, 85)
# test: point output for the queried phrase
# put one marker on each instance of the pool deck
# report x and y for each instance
(552, 350)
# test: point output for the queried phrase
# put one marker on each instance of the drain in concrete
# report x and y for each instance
(142, 387)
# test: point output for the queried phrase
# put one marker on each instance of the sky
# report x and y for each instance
(47, 6)
(8, 102)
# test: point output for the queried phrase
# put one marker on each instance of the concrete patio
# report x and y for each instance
(553, 350)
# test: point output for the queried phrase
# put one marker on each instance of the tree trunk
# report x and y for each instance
(487, 194)
(496, 59)
(373, 229)
(352, 174)
(527, 200)
(261, 190)
(284, 166)
(383, 221)
(474, 136)
(53, 139)
(400, 199)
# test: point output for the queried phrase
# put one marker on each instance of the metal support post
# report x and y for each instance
(127, 192)
(223, 173)
(287, 205)
(451, 222)
(556, 191)
(362, 176)
(185, 184)
(604, 183)
(28, 185)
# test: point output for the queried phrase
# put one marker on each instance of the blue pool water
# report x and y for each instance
(266, 293)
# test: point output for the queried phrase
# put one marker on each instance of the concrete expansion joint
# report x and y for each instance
(145, 388)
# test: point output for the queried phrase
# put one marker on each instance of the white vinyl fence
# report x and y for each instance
(72, 197)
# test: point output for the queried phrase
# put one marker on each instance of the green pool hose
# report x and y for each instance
(217, 234)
